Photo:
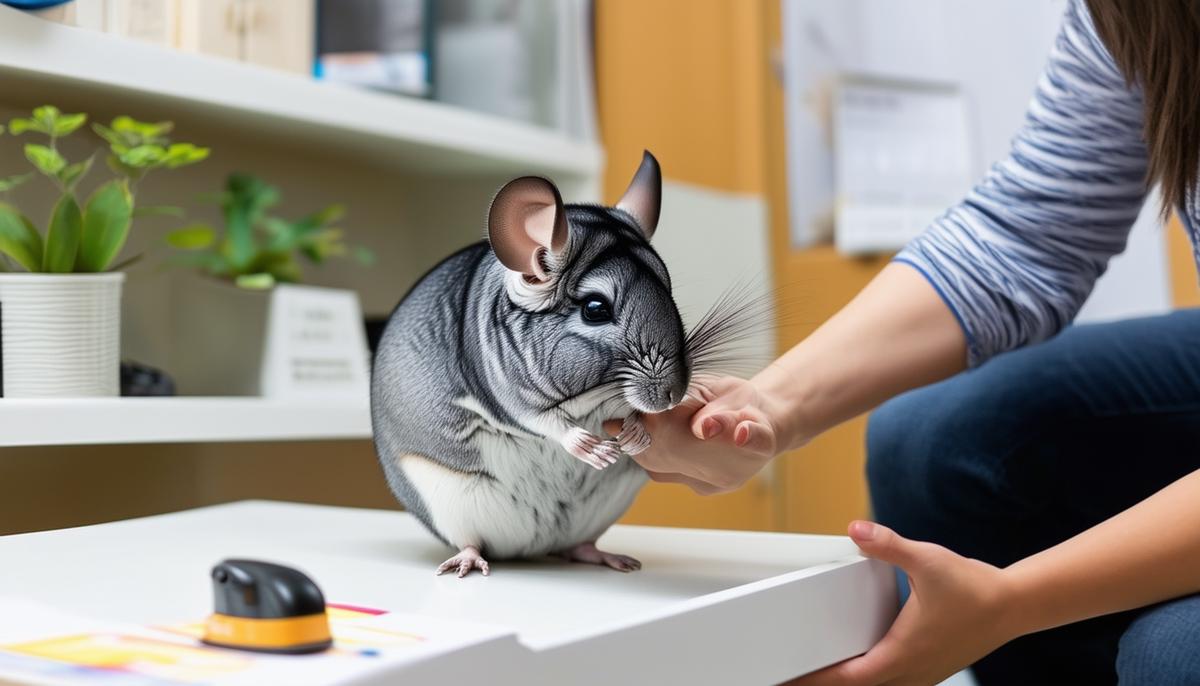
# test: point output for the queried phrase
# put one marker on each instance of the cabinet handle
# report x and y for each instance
(233, 17)
(254, 15)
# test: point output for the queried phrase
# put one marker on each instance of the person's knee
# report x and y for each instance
(887, 447)
(926, 451)
(1159, 647)
(900, 464)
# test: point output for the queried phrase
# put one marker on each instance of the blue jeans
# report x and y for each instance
(1037, 445)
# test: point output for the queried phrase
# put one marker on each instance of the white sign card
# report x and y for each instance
(315, 345)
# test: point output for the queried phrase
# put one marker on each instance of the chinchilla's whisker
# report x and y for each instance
(725, 338)
(737, 313)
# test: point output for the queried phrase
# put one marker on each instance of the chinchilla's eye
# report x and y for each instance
(596, 310)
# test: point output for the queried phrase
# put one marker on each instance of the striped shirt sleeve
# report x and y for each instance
(1017, 258)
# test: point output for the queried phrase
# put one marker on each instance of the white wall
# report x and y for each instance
(714, 242)
(995, 51)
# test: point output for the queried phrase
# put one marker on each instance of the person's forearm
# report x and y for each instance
(897, 334)
(1149, 553)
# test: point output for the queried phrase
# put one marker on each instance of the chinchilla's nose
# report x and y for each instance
(677, 394)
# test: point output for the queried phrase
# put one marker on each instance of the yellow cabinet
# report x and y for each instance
(699, 88)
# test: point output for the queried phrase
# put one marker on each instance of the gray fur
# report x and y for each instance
(458, 335)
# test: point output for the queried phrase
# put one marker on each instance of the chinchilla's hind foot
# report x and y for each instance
(590, 448)
(467, 559)
(590, 554)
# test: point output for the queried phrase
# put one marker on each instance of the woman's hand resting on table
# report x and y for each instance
(716, 440)
(957, 613)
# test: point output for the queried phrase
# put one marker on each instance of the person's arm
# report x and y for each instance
(896, 334)
(1149, 553)
(1009, 266)
(962, 609)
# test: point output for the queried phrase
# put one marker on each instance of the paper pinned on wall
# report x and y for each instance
(826, 43)
(814, 34)
(902, 156)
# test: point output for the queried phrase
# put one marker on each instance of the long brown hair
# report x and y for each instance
(1156, 44)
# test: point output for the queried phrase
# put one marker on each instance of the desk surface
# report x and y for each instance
(155, 570)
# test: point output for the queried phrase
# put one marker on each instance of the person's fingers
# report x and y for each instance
(881, 543)
(612, 427)
(693, 400)
(754, 436)
(701, 390)
(711, 422)
(875, 667)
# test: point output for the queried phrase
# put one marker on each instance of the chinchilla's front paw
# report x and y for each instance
(633, 438)
(590, 448)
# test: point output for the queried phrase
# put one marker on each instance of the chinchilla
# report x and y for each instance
(494, 375)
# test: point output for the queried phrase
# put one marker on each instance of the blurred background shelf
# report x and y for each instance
(43, 61)
(177, 420)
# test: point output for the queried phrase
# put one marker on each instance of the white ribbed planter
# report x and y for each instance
(60, 334)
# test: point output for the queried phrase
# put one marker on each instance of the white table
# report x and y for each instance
(708, 607)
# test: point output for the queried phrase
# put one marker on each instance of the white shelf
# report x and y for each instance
(41, 61)
(86, 421)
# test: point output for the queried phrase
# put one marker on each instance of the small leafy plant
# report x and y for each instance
(258, 249)
(85, 239)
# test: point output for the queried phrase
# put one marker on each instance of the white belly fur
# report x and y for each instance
(538, 500)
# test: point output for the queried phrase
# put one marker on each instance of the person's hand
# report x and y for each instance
(714, 441)
(955, 615)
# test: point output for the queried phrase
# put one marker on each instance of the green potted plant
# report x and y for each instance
(236, 320)
(60, 293)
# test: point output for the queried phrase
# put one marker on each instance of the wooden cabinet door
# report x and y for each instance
(211, 27)
(281, 34)
(686, 82)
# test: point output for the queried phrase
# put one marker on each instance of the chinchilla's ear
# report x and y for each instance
(643, 198)
(526, 220)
